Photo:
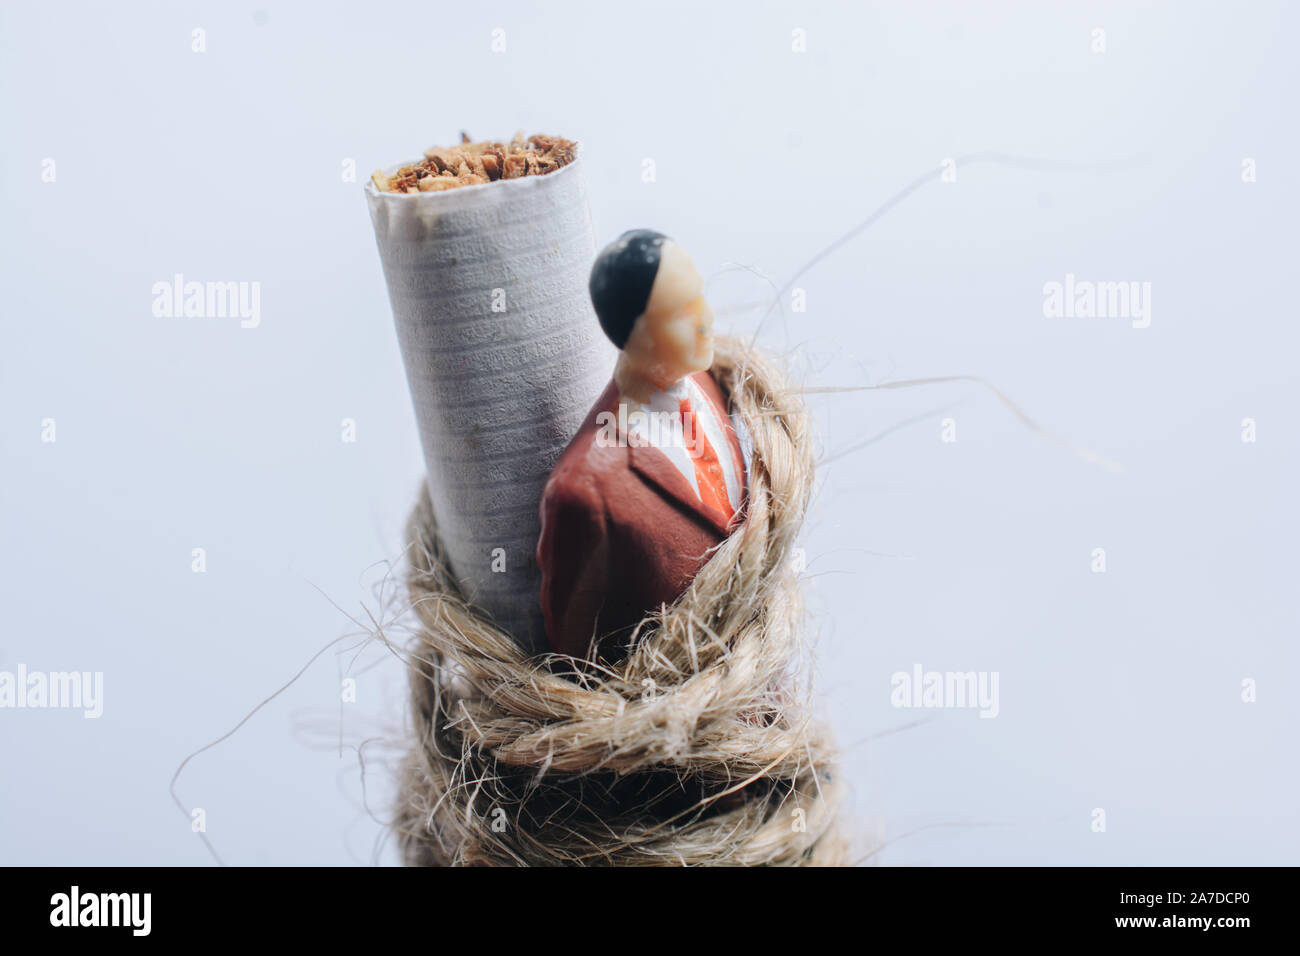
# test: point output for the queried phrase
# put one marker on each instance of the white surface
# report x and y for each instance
(1118, 690)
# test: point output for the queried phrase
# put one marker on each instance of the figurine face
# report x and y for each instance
(673, 337)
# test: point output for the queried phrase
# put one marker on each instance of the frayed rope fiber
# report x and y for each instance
(698, 748)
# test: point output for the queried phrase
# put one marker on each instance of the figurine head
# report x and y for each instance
(649, 298)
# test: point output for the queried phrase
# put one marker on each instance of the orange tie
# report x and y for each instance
(710, 481)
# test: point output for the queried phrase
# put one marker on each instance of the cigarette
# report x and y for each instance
(476, 164)
(486, 249)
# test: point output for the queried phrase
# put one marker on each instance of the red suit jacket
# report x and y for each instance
(623, 531)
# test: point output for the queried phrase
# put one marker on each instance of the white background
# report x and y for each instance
(1119, 690)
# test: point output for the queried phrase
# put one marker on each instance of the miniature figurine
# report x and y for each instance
(655, 478)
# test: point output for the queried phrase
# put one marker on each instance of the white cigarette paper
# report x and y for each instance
(504, 358)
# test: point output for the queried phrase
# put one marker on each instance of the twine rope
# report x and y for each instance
(698, 748)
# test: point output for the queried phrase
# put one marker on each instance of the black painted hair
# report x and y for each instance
(621, 280)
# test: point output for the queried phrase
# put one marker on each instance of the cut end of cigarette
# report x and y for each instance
(473, 164)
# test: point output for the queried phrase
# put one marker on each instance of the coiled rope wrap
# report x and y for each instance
(697, 749)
